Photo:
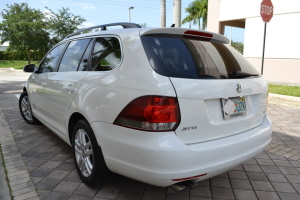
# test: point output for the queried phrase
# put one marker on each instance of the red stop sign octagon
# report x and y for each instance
(266, 10)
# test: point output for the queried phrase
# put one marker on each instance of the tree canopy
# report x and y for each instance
(238, 46)
(197, 10)
(24, 29)
(63, 23)
(29, 29)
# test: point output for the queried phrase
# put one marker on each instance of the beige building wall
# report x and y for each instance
(282, 57)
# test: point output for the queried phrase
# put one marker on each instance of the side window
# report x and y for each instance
(106, 54)
(48, 64)
(73, 55)
(85, 58)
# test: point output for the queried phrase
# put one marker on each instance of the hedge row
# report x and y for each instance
(17, 55)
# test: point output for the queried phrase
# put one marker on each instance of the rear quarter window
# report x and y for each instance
(106, 54)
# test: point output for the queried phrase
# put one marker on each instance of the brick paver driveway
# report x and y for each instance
(273, 174)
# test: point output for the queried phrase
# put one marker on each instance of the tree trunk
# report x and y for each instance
(162, 13)
(199, 27)
(28, 54)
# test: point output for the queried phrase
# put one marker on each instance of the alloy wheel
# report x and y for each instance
(84, 152)
(26, 108)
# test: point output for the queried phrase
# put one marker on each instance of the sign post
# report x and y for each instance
(266, 12)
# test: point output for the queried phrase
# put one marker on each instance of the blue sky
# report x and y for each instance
(109, 11)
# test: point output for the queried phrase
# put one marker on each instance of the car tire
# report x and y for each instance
(25, 109)
(88, 157)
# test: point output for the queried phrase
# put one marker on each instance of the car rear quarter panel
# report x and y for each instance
(103, 95)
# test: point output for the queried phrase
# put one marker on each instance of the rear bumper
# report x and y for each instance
(158, 157)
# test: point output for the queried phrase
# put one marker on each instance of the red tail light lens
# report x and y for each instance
(152, 113)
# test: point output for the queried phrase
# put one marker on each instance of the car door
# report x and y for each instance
(63, 84)
(38, 86)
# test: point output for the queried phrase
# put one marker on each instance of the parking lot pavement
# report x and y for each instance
(36, 158)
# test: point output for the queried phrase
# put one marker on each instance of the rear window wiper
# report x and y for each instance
(240, 74)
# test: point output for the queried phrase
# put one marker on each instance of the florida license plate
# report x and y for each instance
(234, 107)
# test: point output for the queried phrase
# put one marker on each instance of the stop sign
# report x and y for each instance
(266, 10)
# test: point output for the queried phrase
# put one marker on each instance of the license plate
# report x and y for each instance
(234, 107)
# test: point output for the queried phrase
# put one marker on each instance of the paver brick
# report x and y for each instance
(252, 168)
(264, 195)
(26, 190)
(79, 197)
(224, 193)
(201, 191)
(220, 182)
(58, 196)
(170, 196)
(47, 184)
(85, 190)
(241, 184)
(276, 177)
(244, 194)
(289, 196)
(66, 186)
(109, 192)
(153, 195)
(237, 175)
(283, 187)
(26, 196)
(288, 170)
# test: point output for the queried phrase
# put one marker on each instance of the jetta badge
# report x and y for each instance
(238, 88)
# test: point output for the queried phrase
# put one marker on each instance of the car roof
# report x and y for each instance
(137, 29)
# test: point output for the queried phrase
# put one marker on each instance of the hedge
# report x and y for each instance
(17, 55)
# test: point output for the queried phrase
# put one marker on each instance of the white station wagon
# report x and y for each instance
(159, 105)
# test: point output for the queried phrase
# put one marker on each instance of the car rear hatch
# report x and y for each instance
(219, 92)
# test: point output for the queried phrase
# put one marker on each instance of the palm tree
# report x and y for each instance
(197, 10)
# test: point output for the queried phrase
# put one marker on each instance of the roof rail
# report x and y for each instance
(103, 27)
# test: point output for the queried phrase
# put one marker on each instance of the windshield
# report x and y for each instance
(184, 58)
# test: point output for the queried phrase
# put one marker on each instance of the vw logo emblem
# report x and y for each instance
(238, 88)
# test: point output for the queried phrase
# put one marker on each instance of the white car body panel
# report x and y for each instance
(38, 95)
(62, 88)
(162, 156)
(201, 111)
(110, 92)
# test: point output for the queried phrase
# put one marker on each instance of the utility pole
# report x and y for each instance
(162, 13)
(177, 13)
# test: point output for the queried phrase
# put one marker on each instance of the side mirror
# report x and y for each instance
(29, 68)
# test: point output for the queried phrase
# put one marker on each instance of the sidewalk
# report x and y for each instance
(4, 193)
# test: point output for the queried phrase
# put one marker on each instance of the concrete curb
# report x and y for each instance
(21, 184)
(284, 100)
(15, 70)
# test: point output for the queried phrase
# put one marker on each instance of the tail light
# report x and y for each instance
(151, 113)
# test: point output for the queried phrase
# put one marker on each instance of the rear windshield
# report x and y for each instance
(184, 58)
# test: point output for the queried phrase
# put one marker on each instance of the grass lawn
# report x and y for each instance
(16, 64)
(285, 90)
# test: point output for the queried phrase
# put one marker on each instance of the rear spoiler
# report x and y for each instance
(183, 33)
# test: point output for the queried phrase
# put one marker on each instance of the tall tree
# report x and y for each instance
(197, 10)
(23, 28)
(63, 23)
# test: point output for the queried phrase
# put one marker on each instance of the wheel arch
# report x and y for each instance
(74, 118)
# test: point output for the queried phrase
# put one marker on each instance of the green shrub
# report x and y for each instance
(17, 55)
